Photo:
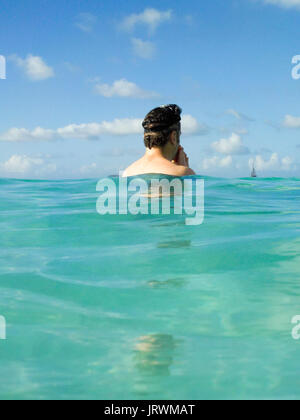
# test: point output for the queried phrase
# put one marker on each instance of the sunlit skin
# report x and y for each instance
(168, 160)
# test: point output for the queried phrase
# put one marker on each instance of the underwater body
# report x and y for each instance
(146, 307)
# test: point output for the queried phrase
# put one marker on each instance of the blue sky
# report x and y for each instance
(81, 75)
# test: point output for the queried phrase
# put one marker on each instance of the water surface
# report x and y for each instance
(141, 307)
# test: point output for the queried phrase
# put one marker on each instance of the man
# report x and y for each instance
(164, 155)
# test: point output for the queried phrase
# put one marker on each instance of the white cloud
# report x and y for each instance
(85, 22)
(150, 17)
(238, 115)
(191, 126)
(89, 169)
(241, 131)
(23, 164)
(143, 49)
(216, 162)
(124, 89)
(72, 68)
(231, 146)
(291, 122)
(20, 164)
(91, 131)
(288, 4)
(118, 127)
(287, 163)
(22, 134)
(34, 67)
(274, 163)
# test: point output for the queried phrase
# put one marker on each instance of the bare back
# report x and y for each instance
(157, 165)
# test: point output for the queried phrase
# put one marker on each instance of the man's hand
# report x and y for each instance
(182, 158)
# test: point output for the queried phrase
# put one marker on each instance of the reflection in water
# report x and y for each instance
(175, 244)
(154, 354)
(155, 284)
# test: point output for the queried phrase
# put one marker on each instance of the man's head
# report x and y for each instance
(163, 127)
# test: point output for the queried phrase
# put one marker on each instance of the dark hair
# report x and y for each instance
(159, 124)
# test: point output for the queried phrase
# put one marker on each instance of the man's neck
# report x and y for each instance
(157, 153)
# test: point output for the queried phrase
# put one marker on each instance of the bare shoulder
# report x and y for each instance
(161, 167)
(184, 171)
(125, 173)
(132, 170)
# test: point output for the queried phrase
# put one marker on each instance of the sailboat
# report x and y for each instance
(253, 173)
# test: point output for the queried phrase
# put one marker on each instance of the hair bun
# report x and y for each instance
(162, 117)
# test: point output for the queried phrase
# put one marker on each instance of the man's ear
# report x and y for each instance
(173, 138)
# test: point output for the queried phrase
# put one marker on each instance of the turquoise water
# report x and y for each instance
(140, 307)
